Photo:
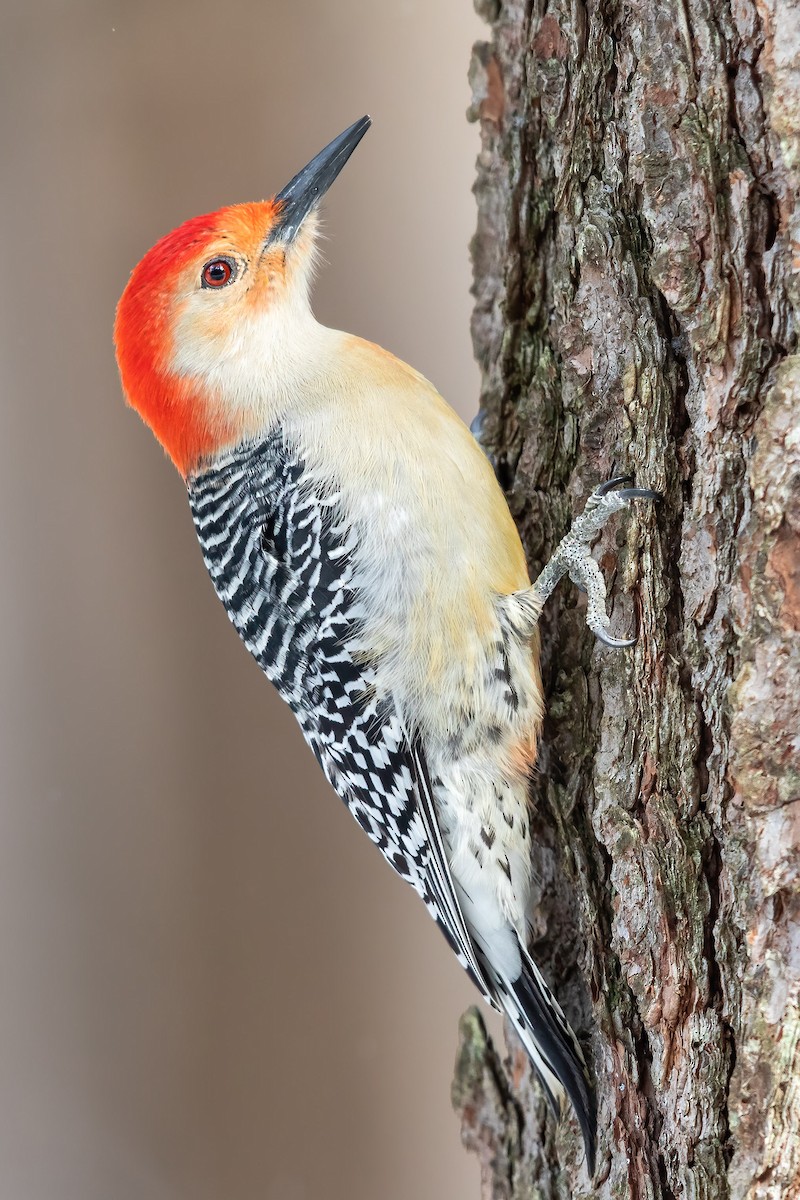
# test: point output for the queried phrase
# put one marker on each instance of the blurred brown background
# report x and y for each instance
(191, 1008)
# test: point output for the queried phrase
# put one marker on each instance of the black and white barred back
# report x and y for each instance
(280, 563)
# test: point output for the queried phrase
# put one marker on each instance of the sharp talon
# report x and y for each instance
(606, 487)
(632, 493)
(614, 643)
(639, 494)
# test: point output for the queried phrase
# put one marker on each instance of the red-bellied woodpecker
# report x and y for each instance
(363, 549)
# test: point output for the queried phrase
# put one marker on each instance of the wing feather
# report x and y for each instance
(440, 879)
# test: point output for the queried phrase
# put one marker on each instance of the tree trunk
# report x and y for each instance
(635, 312)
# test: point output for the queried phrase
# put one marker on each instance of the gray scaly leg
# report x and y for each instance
(573, 555)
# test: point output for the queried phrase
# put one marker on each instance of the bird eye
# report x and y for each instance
(218, 273)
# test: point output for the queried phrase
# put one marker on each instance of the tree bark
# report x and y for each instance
(635, 311)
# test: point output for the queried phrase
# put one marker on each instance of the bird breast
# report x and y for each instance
(433, 545)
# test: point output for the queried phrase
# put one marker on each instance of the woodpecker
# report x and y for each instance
(363, 549)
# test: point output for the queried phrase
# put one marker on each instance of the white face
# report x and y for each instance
(242, 324)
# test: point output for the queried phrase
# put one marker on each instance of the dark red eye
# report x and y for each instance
(218, 273)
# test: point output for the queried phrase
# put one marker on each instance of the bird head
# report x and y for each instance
(214, 322)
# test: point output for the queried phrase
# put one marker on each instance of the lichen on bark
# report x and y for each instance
(636, 297)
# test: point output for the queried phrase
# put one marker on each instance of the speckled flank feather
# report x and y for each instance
(362, 548)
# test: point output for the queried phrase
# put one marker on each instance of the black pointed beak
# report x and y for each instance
(310, 185)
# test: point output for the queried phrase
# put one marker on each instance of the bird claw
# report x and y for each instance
(639, 494)
(625, 494)
(573, 555)
(615, 643)
(604, 488)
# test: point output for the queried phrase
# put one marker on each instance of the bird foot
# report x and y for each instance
(573, 555)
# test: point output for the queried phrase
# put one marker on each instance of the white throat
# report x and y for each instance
(259, 364)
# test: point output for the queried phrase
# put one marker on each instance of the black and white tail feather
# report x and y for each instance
(552, 1047)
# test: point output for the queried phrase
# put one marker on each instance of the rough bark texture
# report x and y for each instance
(636, 310)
